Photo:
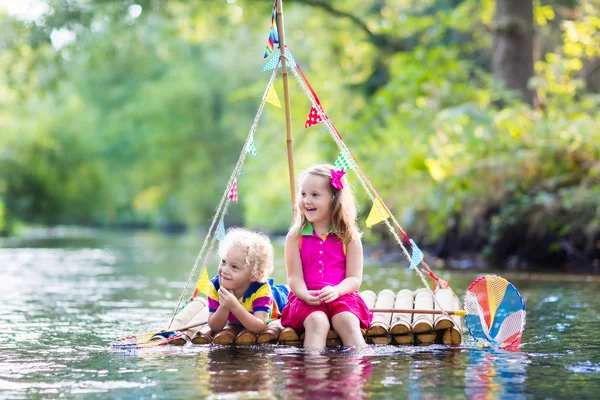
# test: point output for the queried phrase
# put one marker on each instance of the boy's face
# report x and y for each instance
(233, 273)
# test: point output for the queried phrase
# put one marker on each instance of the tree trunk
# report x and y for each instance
(513, 47)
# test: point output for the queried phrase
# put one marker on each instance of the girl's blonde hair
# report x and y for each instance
(343, 206)
(257, 249)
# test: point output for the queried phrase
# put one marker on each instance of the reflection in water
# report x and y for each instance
(324, 375)
(243, 371)
(495, 374)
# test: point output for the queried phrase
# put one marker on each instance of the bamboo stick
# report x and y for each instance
(286, 100)
(401, 322)
(380, 326)
(460, 313)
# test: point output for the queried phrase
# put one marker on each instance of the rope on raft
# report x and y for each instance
(225, 200)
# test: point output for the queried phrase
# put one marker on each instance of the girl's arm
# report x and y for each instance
(354, 272)
(295, 275)
(218, 319)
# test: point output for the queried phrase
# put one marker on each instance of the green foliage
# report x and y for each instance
(140, 119)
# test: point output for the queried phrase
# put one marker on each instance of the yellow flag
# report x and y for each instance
(272, 97)
(376, 216)
(203, 282)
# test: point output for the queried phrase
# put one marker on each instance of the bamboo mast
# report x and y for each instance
(286, 100)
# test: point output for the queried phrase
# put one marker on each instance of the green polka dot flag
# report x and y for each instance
(343, 163)
(251, 148)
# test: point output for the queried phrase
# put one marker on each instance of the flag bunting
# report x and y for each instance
(314, 117)
(203, 282)
(272, 97)
(343, 163)
(376, 216)
(417, 255)
(233, 193)
(273, 35)
(251, 148)
(275, 61)
(220, 233)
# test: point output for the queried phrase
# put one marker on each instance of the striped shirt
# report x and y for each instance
(258, 297)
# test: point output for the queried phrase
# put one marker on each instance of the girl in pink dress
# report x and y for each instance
(324, 261)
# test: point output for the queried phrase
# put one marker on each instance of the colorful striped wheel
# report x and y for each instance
(495, 312)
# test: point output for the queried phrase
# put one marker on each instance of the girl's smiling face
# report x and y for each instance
(234, 274)
(315, 199)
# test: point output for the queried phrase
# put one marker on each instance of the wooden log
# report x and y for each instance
(406, 338)
(423, 322)
(457, 329)
(203, 336)
(246, 338)
(271, 334)
(379, 329)
(333, 339)
(369, 297)
(289, 336)
(227, 335)
(445, 297)
(401, 322)
(425, 338)
(191, 314)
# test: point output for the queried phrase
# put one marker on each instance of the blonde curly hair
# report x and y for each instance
(257, 249)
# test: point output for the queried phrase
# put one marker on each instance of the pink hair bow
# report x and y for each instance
(336, 178)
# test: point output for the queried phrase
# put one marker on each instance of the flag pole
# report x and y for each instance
(286, 100)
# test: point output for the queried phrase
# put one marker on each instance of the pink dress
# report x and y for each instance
(323, 264)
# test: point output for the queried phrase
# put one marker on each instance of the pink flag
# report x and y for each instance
(233, 194)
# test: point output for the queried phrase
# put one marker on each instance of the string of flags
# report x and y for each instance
(378, 213)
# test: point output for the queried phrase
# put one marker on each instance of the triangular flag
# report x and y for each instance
(220, 233)
(314, 117)
(343, 163)
(275, 62)
(376, 216)
(417, 255)
(203, 282)
(251, 148)
(272, 97)
(233, 194)
(273, 35)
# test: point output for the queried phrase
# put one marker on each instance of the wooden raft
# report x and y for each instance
(386, 328)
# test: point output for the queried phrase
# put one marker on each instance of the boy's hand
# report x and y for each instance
(328, 294)
(311, 298)
(226, 299)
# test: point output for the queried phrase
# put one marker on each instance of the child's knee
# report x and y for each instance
(317, 321)
(345, 320)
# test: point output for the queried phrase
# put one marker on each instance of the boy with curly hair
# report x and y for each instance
(241, 293)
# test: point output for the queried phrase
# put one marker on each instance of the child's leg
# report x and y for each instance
(347, 325)
(316, 327)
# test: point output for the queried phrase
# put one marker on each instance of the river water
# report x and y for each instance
(66, 296)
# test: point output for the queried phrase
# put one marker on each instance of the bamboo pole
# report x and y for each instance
(461, 313)
(286, 100)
